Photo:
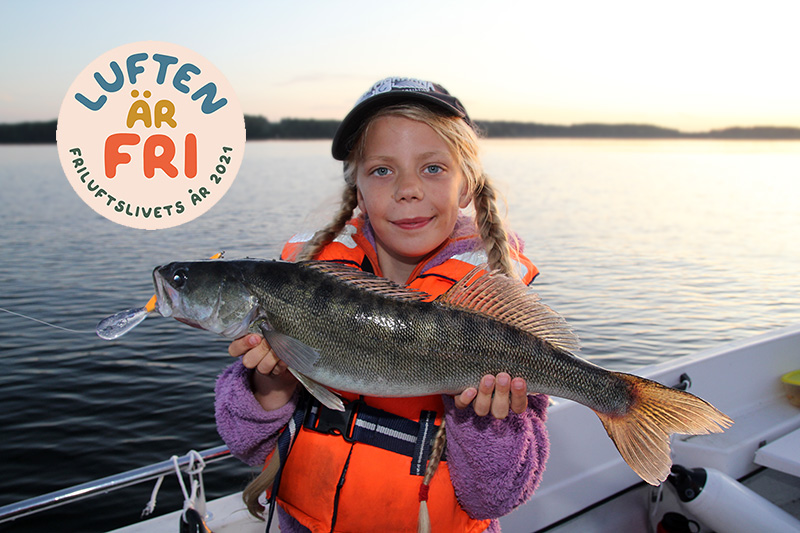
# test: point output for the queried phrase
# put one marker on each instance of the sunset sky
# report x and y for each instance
(692, 65)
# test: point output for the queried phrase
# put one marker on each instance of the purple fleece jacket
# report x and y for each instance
(495, 465)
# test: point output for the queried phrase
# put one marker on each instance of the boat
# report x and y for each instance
(746, 479)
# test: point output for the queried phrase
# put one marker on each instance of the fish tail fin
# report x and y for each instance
(642, 433)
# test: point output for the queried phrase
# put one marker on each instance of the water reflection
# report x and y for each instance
(651, 249)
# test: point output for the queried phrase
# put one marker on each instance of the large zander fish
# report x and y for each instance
(339, 328)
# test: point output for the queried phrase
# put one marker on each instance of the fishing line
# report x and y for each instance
(113, 326)
(47, 323)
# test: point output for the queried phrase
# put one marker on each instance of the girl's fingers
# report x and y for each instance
(483, 400)
(280, 368)
(241, 345)
(519, 395)
(500, 402)
(497, 395)
(466, 397)
(268, 366)
(261, 358)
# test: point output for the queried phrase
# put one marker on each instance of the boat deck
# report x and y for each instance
(781, 489)
(633, 506)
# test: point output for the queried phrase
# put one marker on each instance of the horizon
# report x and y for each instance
(478, 120)
(691, 67)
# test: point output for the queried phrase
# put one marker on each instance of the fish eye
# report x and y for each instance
(179, 278)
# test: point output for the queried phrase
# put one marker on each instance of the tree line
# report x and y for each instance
(258, 128)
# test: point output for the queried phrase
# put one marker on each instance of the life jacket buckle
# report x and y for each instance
(332, 422)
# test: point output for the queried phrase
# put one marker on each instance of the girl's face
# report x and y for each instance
(411, 188)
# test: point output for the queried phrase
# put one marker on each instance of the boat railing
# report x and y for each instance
(108, 484)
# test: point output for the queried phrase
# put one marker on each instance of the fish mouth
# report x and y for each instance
(412, 223)
(209, 311)
(166, 296)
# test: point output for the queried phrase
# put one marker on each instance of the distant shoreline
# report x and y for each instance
(259, 128)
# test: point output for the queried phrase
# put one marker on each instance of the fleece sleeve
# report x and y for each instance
(495, 465)
(249, 431)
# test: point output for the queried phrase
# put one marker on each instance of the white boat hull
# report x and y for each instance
(588, 487)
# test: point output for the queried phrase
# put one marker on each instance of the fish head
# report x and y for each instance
(209, 295)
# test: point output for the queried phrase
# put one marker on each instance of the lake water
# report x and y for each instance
(651, 249)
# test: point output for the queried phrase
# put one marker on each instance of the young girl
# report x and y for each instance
(410, 167)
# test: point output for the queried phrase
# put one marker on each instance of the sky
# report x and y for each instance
(691, 65)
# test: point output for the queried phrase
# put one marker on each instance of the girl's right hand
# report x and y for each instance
(272, 385)
(257, 355)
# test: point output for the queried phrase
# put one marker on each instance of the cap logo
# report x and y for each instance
(397, 84)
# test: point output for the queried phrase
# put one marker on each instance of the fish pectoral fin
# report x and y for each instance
(291, 351)
(319, 391)
(300, 358)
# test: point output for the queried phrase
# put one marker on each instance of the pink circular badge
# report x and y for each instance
(150, 135)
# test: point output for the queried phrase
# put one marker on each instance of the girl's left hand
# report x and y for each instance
(496, 394)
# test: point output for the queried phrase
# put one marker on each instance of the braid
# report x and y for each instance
(491, 227)
(329, 232)
(424, 523)
(258, 486)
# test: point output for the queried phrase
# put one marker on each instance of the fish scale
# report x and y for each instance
(339, 328)
(425, 350)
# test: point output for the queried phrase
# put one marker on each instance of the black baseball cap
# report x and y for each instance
(390, 91)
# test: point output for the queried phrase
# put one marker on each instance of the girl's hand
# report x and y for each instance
(257, 355)
(272, 385)
(496, 394)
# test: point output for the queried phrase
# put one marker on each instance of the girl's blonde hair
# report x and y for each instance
(462, 141)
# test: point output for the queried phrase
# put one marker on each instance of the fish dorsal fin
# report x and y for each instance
(502, 298)
(366, 281)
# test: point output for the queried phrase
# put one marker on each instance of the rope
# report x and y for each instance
(151, 505)
(180, 479)
(195, 468)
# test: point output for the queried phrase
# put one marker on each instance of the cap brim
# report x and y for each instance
(344, 138)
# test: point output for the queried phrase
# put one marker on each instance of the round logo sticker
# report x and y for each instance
(150, 135)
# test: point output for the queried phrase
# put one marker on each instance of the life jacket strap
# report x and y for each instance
(362, 423)
(284, 446)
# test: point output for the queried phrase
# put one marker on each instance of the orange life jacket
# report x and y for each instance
(352, 247)
(329, 482)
